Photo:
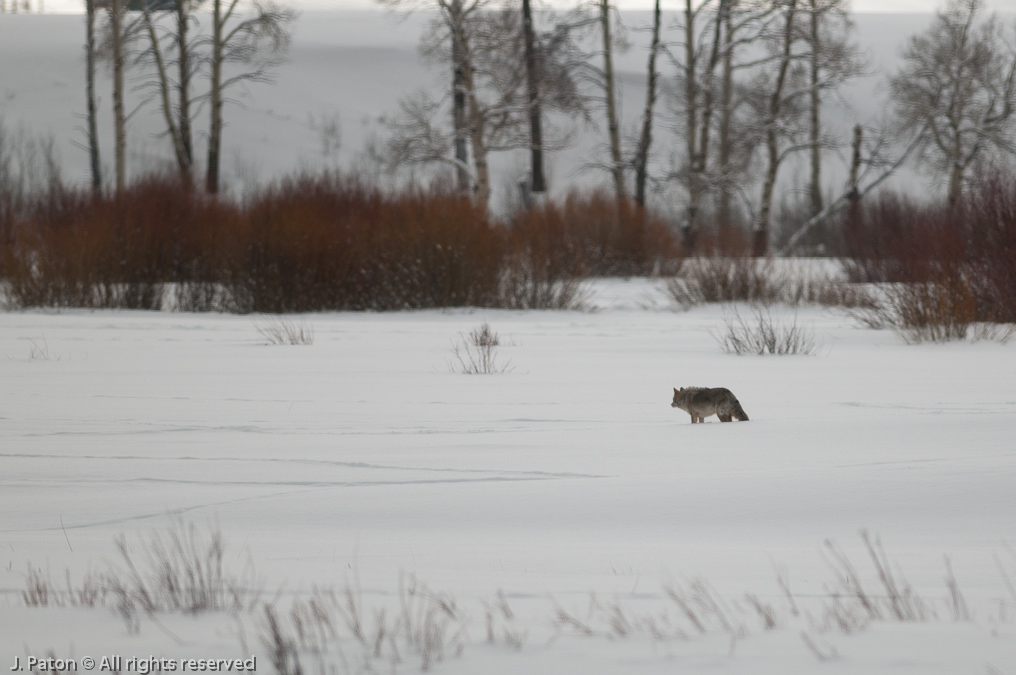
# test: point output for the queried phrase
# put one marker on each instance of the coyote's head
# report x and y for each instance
(677, 392)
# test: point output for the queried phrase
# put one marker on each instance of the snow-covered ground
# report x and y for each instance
(567, 482)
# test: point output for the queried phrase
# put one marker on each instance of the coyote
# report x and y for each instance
(701, 402)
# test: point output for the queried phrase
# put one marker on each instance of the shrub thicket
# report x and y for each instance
(948, 265)
(311, 243)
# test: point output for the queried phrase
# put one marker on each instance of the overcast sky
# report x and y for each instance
(858, 5)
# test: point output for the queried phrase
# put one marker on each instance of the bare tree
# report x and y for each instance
(646, 137)
(162, 83)
(90, 115)
(701, 57)
(610, 97)
(116, 12)
(455, 21)
(829, 51)
(186, 64)
(490, 46)
(743, 24)
(787, 94)
(957, 91)
(711, 32)
(861, 181)
(538, 184)
(416, 137)
(257, 39)
(775, 105)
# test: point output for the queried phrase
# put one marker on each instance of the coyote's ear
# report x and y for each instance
(675, 390)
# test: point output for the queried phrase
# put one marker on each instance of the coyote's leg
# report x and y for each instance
(724, 418)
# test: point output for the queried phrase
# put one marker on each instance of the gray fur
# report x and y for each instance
(701, 402)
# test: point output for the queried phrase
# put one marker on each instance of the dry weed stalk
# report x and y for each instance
(762, 334)
(430, 622)
(783, 581)
(828, 654)
(40, 350)
(281, 331)
(281, 648)
(499, 610)
(766, 612)
(476, 354)
(521, 286)
(181, 569)
(897, 601)
(958, 604)
(758, 281)
(565, 620)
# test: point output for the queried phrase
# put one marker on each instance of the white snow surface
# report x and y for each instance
(567, 481)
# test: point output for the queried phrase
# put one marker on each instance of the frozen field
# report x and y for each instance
(567, 481)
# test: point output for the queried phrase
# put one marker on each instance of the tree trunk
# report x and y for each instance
(760, 244)
(956, 173)
(690, 226)
(701, 152)
(167, 105)
(539, 184)
(853, 189)
(215, 100)
(119, 118)
(646, 139)
(93, 128)
(613, 125)
(815, 187)
(183, 86)
(477, 129)
(459, 100)
(725, 196)
(855, 165)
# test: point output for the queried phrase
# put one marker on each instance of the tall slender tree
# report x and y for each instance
(815, 102)
(215, 98)
(489, 48)
(610, 95)
(184, 62)
(956, 92)
(91, 114)
(725, 131)
(257, 39)
(456, 26)
(116, 17)
(775, 105)
(538, 184)
(698, 72)
(183, 160)
(831, 57)
(646, 137)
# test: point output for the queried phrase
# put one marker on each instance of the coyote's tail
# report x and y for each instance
(738, 412)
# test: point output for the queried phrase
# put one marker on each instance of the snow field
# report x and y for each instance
(364, 457)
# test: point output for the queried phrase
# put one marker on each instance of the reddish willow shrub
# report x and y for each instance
(76, 249)
(324, 243)
(592, 234)
(316, 243)
(967, 253)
